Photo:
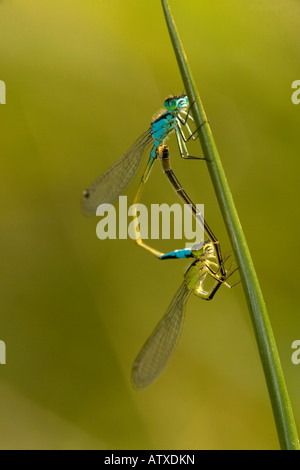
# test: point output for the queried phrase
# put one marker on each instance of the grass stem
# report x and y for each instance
(282, 410)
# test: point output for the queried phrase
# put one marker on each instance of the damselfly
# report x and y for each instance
(156, 352)
(112, 183)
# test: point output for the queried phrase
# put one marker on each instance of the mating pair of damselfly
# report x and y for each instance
(207, 257)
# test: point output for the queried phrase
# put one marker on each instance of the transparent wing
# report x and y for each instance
(112, 183)
(156, 352)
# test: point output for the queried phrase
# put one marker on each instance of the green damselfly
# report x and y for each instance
(157, 351)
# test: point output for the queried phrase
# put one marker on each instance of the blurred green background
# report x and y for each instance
(84, 79)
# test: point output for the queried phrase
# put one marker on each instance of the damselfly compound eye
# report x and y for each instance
(170, 104)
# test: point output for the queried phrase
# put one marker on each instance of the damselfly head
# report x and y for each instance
(175, 103)
(208, 249)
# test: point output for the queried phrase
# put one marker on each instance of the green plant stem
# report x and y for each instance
(283, 414)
